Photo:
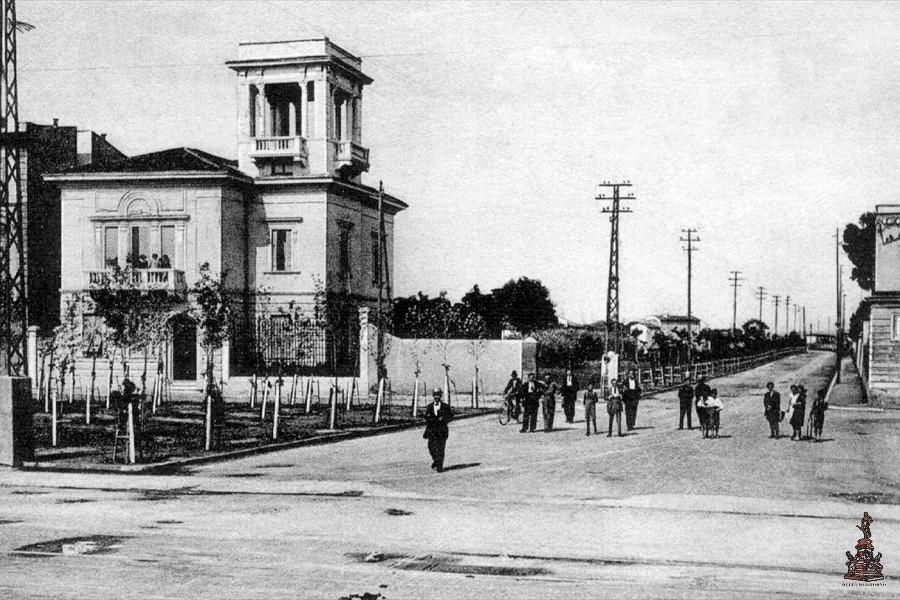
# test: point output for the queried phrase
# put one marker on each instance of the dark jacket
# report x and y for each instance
(772, 406)
(531, 398)
(798, 415)
(631, 393)
(685, 393)
(512, 388)
(436, 424)
(569, 392)
(702, 391)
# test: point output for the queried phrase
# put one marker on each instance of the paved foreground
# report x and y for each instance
(660, 513)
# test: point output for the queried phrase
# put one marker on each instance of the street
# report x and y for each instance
(659, 513)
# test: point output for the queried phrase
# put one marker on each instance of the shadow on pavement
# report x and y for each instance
(461, 466)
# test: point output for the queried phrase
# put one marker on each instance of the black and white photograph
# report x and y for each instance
(385, 300)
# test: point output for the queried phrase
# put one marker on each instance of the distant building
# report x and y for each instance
(51, 148)
(669, 323)
(646, 329)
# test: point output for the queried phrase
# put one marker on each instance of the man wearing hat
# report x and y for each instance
(437, 416)
(531, 400)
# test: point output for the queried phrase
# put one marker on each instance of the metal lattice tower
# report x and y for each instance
(613, 339)
(13, 307)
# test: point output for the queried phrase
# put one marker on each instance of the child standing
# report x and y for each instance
(590, 407)
(817, 415)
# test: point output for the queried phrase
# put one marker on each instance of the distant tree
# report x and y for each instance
(859, 244)
(755, 328)
(525, 305)
(485, 306)
(857, 319)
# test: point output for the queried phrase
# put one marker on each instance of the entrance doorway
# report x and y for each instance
(184, 349)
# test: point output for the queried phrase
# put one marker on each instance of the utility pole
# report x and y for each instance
(787, 315)
(760, 295)
(837, 272)
(379, 280)
(612, 293)
(735, 282)
(805, 331)
(776, 299)
(13, 301)
(690, 249)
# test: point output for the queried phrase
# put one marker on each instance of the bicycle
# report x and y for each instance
(509, 411)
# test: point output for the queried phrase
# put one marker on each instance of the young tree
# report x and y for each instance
(210, 310)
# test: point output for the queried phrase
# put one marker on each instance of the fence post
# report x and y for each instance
(33, 354)
(307, 407)
(378, 400)
(277, 408)
(265, 398)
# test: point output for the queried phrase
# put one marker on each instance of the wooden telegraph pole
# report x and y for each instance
(690, 249)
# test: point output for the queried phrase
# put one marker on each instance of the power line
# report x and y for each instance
(776, 298)
(735, 282)
(761, 295)
(690, 249)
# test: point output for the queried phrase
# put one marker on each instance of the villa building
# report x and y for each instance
(289, 220)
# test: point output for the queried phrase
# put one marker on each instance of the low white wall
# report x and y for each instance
(497, 359)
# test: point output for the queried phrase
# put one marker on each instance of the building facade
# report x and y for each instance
(880, 367)
(51, 148)
(289, 222)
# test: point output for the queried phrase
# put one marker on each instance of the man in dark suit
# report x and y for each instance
(685, 396)
(772, 409)
(437, 416)
(569, 395)
(531, 399)
(631, 394)
(550, 389)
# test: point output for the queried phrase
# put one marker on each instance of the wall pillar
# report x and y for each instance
(226, 360)
(364, 351)
(16, 429)
(32, 352)
(529, 356)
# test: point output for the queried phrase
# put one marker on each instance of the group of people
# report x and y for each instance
(142, 262)
(530, 395)
(706, 402)
(795, 412)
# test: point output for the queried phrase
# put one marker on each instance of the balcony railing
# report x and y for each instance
(293, 146)
(171, 280)
(351, 155)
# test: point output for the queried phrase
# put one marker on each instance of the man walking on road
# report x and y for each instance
(550, 389)
(590, 407)
(685, 397)
(437, 416)
(570, 395)
(614, 406)
(772, 408)
(631, 394)
(531, 399)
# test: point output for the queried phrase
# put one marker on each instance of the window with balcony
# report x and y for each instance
(281, 250)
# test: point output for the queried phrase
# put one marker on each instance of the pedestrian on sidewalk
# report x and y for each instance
(772, 409)
(437, 417)
(798, 409)
(590, 407)
(701, 391)
(531, 399)
(685, 396)
(817, 414)
(569, 395)
(614, 406)
(631, 394)
(550, 389)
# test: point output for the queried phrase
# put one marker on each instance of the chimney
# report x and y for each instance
(103, 136)
(55, 123)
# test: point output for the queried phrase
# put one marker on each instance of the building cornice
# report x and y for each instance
(392, 203)
(148, 176)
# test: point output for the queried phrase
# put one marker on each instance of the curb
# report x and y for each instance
(173, 465)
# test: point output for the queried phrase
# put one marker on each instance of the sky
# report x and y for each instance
(764, 126)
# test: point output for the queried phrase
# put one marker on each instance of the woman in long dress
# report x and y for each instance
(817, 415)
(798, 410)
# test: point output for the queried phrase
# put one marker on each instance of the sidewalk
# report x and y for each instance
(849, 391)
